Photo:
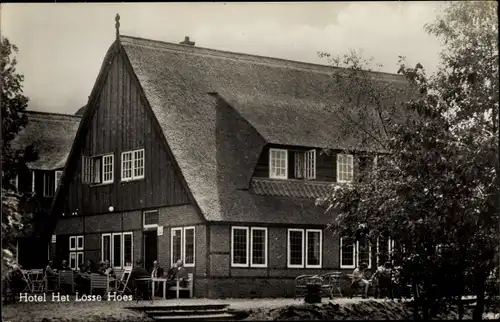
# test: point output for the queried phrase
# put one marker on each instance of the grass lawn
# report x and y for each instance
(71, 311)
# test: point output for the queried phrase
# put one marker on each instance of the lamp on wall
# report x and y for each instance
(111, 208)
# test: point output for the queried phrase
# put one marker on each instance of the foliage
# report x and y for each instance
(14, 159)
(435, 187)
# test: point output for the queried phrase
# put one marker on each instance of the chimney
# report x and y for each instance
(187, 42)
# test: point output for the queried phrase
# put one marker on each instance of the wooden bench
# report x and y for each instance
(188, 287)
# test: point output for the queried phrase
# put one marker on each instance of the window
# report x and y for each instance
(76, 247)
(385, 246)
(305, 164)
(150, 219)
(352, 255)
(98, 169)
(258, 247)
(248, 246)
(58, 179)
(118, 249)
(133, 165)
(182, 245)
(106, 247)
(344, 167)
(48, 184)
(305, 252)
(278, 164)
(33, 181)
(14, 182)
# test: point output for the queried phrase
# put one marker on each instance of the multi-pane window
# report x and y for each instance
(118, 249)
(278, 164)
(49, 184)
(258, 247)
(58, 179)
(151, 219)
(76, 247)
(305, 164)
(182, 245)
(248, 246)
(133, 165)
(353, 254)
(305, 248)
(98, 170)
(385, 247)
(344, 167)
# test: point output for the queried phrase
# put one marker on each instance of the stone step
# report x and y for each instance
(187, 307)
(208, 317)
(155, 312)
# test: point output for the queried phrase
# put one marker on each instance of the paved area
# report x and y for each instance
(246, 304)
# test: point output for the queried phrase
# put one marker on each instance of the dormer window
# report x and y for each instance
(278, 164)
(99, 169)
(344, 167)
(305, 164)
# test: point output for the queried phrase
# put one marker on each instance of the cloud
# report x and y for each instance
(62, 45)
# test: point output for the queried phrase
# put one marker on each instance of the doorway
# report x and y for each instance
(150, 248)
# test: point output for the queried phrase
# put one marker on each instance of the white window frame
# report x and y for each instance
(73, 254)
(57, 180)
(233, 228)
(72, 238)
(390, 249)
(353, 255)
(184, 246)
(47, 175)
(307, 159)
(76, 251)
(133, 167)
(250, 254)
(172, 260)
(33, 181)
(78, 262)
(15, 182)
(305, 245)
(271, 175)
(144, 219)
(289, 249)
(122, 249)
(102, 247)
(350, 159)
(369, 254)
(109, 157)
(306, 241)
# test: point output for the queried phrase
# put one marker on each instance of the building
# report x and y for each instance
(52, 136)
(211, 157)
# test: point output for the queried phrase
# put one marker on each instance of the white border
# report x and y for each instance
(252, 229)
(353, 256)
(172, 260)
(271, 176)
(233, 264)
(184, 246)
(289, 251)
(320, 247)
(351, 160)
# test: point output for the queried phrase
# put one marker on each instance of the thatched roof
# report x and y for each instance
(271, 101)
(52, 135)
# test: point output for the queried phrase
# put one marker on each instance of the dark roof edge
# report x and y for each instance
(261, 59)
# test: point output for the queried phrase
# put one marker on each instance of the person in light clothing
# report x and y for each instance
(358, 279)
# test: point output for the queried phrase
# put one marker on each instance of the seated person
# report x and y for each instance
(156, 273)
(64, 266)
(359, 280)
(82, 280)
(108, 270)
(139, 272)
(383, 278)
(179, 273)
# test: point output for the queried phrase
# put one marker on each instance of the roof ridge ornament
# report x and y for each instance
(117, 25)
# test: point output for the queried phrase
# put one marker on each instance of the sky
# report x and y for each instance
(62, 45)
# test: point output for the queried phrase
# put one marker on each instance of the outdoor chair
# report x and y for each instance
(142, 290)
(331, 284)
(99, 282)
(67, 279)
(188, 286)
(302, 281)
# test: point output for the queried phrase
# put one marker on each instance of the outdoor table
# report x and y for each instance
(153, 282)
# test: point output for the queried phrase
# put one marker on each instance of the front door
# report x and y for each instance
(150, 248)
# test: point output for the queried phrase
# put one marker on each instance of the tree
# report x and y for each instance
(435, 188)
(14, 159)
